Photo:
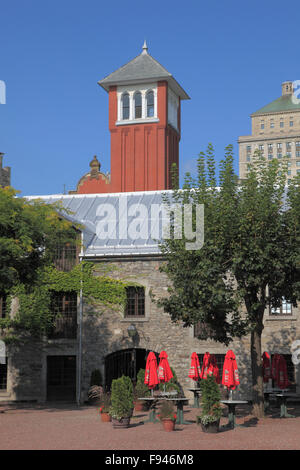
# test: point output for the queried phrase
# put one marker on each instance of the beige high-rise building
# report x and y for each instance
(4, 173)
(275, 133)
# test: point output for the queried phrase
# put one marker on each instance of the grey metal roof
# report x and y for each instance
(98, 212)
(139, 70)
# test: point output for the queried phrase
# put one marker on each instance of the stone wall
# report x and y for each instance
(107, 332)
(104, 330)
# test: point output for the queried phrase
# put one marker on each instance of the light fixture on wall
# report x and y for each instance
(132, 331)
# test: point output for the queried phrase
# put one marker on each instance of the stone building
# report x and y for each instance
(275, 133)
(4, 173)
(120, 234)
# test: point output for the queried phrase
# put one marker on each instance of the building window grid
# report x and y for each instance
(285, 309)
(3, 376)
(125, 106)
(150, 103)
(65, 256)
(64, 309)
(138, 105)
(135, 302)
(3, 305)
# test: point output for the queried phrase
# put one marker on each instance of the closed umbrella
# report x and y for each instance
(205, 365)
(230, 376)
(195, 371)
(151, 378)
(266, 366)
(164, 370)
(213, 369)
(282, 377)
(274, 369)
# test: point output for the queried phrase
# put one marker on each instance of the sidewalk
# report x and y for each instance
(67, 427)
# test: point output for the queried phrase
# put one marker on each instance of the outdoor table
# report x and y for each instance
(153, 403)
(231, 411)
(271, 391)
(197, 393)
(282, 402)
(179, 403)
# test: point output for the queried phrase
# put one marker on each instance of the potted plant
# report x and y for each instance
(96, 390)
(121, 402)
(171, 386)
(210, 405)
(104, 408)
(167, 416)
(140, 391)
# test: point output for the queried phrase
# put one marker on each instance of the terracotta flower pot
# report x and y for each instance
(105, 417)
(139, 406)
(120, 424)
(168, 424)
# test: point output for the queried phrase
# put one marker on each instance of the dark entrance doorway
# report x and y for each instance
(125, 362)
(61, 378)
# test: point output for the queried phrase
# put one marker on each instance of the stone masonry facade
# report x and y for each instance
(104, 331)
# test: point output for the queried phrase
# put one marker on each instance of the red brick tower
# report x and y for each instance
(144, 123)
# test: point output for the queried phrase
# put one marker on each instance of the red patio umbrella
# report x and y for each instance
(164, 370)
(275, 366)
(205, 365)
(230, 376)
(151, 378)
(266, 366)
(282, 377)
(213, 369)
(195, 371)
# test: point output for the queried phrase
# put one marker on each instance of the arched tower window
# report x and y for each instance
(138, 105)
(150, 104)
(125, 106)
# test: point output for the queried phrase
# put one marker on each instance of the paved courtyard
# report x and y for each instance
(68, 427)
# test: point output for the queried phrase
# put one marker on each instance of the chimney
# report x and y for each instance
(287, 88)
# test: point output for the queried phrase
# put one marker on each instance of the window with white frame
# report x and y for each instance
(285, 308)
(137, 104)
(125, 106)
(150, 103)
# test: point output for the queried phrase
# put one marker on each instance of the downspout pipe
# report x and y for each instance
(79, 362)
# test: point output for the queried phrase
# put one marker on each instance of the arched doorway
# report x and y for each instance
(124, 362)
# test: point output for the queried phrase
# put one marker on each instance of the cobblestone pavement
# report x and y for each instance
(68, 427)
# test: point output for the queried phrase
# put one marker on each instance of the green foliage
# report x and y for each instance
(29, 231)
(166, 411)
(210, 401)
(121, 398)
(96, 377)
(34, 316)
(173, 384)
(249, 243)
(105, 403)
(141, 390)
(251, 252)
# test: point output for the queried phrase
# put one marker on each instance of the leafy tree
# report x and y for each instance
(29, 233)
(250, 257)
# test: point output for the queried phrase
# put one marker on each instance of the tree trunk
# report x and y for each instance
(257, 378)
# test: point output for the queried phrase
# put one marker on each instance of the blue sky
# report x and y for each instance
(231, 57)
